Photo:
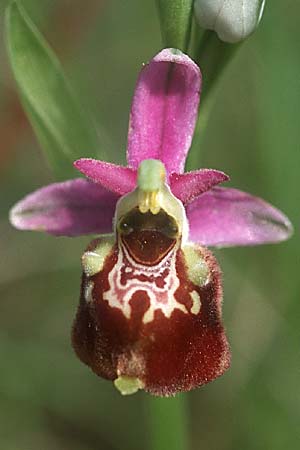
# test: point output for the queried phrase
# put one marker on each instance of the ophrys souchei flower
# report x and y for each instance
(149, 314)
(150, 307)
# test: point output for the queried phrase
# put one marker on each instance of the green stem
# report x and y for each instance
(213, 57)
(168, 422)
(175, 20)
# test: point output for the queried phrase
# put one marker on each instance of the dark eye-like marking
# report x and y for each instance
(170, 229)
(124, 227)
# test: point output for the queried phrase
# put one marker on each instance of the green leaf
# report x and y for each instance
(175, 20)
(62, 127)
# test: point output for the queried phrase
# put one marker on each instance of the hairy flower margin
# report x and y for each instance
(150, 308)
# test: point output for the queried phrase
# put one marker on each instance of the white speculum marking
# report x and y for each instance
(159, 282)
(160, 297)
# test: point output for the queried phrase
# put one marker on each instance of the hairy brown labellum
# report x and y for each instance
(170, 351)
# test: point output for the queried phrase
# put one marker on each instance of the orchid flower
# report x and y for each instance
(149, 315)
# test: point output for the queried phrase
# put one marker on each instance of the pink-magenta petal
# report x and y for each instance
(190, 185)
(70, 208)
(164, 110)
(227, 217)
(118, 179)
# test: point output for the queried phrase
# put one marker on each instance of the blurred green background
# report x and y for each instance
(49, 400)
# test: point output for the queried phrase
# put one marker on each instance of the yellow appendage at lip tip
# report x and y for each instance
(128, 385)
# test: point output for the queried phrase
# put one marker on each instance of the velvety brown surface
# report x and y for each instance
(168, 354)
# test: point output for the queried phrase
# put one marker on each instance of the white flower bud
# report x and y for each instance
(232, 20)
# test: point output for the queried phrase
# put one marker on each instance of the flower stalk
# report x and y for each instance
(175, 20)
(168, 419)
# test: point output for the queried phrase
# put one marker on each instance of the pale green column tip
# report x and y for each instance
(151, 175)
(128, 385)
